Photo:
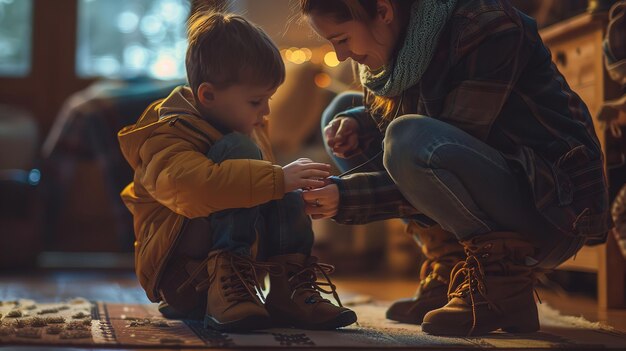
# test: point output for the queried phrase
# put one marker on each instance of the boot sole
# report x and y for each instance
(404, 319)
(414, 318)
(431, 329)
(428, 328)
(344, 319)
(241, 325)
(171, 313)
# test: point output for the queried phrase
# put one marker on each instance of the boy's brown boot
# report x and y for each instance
(183, 288)
(233, 302)
(492, 289)
(294, 298)
(442, 251)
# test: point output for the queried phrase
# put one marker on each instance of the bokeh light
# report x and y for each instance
(330, 59)
(322, 80)
(127, 22)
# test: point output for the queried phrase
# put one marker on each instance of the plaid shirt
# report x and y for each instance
(492, 77)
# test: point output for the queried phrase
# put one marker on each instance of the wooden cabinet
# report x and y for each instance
(576, 46)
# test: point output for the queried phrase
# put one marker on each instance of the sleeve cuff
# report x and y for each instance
(341, 216)
(279, 182)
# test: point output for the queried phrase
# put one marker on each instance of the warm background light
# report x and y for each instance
(322, 80)
(330, 59)
(297, 55)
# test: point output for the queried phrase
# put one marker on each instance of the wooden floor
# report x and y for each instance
(122, 286)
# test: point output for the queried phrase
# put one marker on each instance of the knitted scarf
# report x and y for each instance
(428, 17)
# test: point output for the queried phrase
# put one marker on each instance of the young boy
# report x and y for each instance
(203, 191)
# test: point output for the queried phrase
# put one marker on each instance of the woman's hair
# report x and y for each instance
(358, 10)
(340, 10)
(226, 49)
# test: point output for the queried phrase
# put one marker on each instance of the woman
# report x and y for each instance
(467, 130)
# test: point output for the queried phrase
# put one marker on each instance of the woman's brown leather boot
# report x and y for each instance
(492, 289)
(442, 251)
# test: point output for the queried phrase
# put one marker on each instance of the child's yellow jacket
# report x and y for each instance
(174, 179)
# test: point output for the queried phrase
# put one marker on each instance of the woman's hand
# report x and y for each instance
(322, 202)
(342, 136)
(304, 173)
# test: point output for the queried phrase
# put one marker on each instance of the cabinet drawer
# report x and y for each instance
(578, 59)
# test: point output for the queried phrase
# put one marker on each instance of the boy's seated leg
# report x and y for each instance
(284, 227)
(294, 299)
(232, 302)
(234, 229)
(183, 286)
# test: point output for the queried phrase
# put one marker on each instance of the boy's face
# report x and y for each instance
(240, 107)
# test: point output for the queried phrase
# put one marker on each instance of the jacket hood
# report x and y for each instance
(179, 104)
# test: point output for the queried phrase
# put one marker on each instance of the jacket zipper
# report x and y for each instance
(176, 120)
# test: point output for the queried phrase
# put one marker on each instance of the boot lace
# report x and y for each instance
(468, 278)
(203, 285)
(241, 284)
(306, 280)
(428, 274)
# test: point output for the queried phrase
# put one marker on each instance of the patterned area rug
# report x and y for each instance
(79, 322)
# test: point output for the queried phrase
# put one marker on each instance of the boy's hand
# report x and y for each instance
(304, 173)
(342, 135)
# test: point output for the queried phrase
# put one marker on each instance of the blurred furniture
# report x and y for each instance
(85, 168)
(576, 46)
(614, 111)
(547, 12)
(296, 109)
(297, 106)
(18, 138)
(20, 195)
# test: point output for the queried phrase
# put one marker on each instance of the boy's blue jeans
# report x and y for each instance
(450, 176)
(282, 225)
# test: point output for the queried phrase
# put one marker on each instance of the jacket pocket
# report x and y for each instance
(593, 226)
(578, 173)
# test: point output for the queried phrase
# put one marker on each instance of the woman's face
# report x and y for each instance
(368, 43)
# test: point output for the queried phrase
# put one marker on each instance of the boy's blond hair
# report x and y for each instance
(226, 49)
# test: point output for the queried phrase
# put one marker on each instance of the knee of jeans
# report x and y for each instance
(412, 127)
(406, 140)
(234, 146)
